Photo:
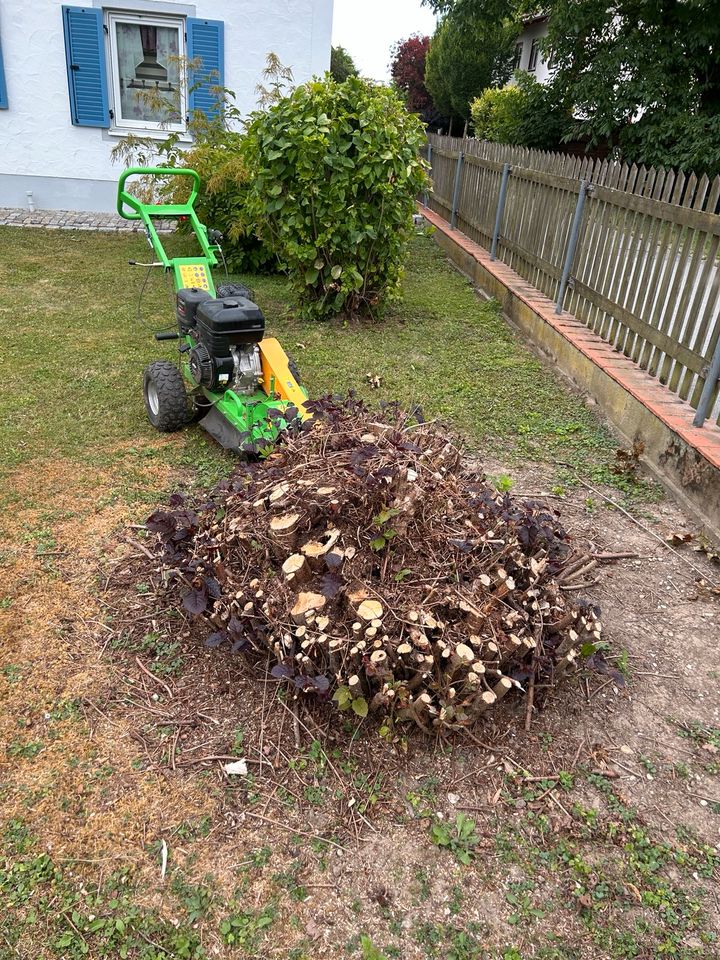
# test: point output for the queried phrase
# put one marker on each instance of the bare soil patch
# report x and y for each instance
(336, 835)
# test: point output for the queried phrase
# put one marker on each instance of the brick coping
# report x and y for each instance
(670, 409)
(75, 220)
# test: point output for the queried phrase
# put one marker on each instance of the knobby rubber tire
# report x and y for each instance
(294, 370)
(235, 290)
(172, 413)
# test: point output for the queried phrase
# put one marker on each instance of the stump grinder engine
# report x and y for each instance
(239, 383)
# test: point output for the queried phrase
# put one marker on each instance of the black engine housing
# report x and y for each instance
(187, 302)
(217, 325)
(228, 322)
(215, 373)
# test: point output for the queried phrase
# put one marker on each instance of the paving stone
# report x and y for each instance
(74, 220)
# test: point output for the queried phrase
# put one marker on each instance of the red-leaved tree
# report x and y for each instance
(408, 71)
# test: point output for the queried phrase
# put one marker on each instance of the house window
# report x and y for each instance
(534, 51)
(518, 55)
(145, 59)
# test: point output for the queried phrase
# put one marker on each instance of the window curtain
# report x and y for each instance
(130, 55)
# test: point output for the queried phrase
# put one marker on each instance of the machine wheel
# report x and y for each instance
(235, 290)
(165, 398)
(294, 370)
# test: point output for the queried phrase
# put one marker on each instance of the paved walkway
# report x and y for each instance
(74, 220)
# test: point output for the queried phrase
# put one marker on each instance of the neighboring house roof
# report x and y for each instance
(534, 18)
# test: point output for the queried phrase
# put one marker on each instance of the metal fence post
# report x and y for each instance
(572, 244)
(500, 209)
(426, 196)
(711, 379)
(456, 191)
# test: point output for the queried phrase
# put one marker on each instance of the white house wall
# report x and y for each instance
(534, 31)
(70, 167)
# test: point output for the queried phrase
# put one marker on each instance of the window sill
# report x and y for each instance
(150, 134)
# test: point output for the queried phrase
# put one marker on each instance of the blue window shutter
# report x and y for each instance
(87, 74)
(206, 43)
(3, 85)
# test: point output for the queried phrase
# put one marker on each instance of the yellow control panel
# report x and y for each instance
(194, 275)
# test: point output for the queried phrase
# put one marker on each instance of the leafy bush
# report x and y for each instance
(497, 114)
(334, 172)
(222, 198)
(216, 155)
(528, 113)
(666, 138)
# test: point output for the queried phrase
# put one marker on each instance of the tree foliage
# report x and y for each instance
(645, 74)
(642, 75)
(342, 64)
(528, 113)
(408, 71)
(464, 58)
(334, 174)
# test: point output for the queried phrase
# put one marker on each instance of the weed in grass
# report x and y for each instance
(423, 800)
(370, 951)
(423, 884)
(518, 896)
(502, 483)
(26, 750)
(190, 830)
(458, 836)
(196, 899)
(648, 764)
(288, 880)
(238, 741)
(12, 673)
(697, 732)
(165, 654)
(105, 923)
(245, 929)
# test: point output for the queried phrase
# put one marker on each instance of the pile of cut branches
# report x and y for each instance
(376, 567)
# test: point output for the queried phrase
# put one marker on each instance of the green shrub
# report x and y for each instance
(528, 114)
(222, 199)
(334, 172)
(215, 155)
(497, 114)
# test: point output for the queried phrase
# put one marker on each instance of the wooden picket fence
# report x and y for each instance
(642, 262)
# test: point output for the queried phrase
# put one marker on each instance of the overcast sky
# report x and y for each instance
(369, 28)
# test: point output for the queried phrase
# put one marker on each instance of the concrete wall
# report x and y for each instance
(70, 167)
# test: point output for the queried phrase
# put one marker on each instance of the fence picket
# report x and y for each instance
(646, 274)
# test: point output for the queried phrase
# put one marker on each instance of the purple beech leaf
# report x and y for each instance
(161, 522)
(215, 639)
(333, 560)
(599, 664)
(195, 602)
(281, 672)
(330, 586)
(213, 588)
(236, 629)
(321, 683)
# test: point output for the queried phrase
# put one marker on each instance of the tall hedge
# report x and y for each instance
(334, 172)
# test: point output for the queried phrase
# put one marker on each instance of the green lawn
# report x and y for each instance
(75, 350)
(562, 863)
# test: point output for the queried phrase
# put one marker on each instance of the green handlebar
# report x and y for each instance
(127, 198)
